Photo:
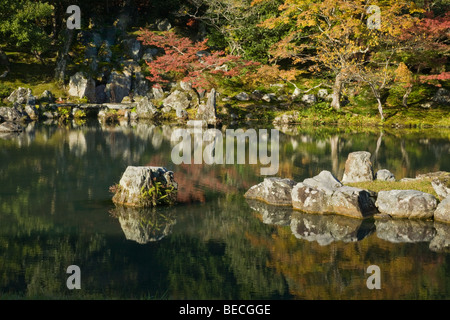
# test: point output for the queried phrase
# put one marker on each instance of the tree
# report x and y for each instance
(188, 61)
(334, 36)
(233, 25)
(25, 23)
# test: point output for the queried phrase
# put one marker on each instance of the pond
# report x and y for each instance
(56, 211)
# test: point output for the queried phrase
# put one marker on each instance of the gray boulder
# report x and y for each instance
(208, 111)
(325, 194)
(358, 168)
(100, 94)
(322, 94)
(442, 212)
(287, 118)
(10, 127)
(164, 25)
(177, 100)
(145, 187)
(47, 96)
(269, 97)
(11, 114)
(275, 191)
(406, 204)
(384, 175)
(442, 185)
(353, 202)
(243, 96)
(145, 109)
(309, 98)
(19, 96)
(32, 112)
(324, 180)
(181, 114)
(256, 95)
(442, 97)
(118, 86)
(80, 86)
(158, 93)
(313, 195)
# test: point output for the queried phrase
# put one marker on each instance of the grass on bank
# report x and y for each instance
(361, 110)
(416, 184)
(26, 72)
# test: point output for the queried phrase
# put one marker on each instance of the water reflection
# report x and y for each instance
(272, 214)
(144, 225)
(407, 231)
(55, 204)
(325, 229)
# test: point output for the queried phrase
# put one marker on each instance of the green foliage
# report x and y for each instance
(158, 194)
(25, 23)
(5, 90)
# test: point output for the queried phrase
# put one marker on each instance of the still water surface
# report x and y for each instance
(56, 211)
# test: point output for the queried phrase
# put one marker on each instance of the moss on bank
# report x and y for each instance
(415, 184)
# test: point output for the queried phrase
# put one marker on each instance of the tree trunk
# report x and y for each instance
(4, 62)
(60, 70)
(380, 108)
(377, 95)
(337, 90)
(406, 96)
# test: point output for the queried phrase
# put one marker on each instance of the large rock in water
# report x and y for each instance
(145, 187)
(80, 86)
(358, 168)
(324, 194)
(354, 202)
(313, 195)
(275, 191)
(442, 212)
(406, 204)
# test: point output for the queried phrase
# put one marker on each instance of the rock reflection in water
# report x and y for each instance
(402, 230)
(326, 229)
(323, 229)
(144, 225)
(272, 214)
(441, 241)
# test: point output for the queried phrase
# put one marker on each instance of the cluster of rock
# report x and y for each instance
(325, 194)
(27, 107)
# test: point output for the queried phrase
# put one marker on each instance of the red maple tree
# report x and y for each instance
(188, 61)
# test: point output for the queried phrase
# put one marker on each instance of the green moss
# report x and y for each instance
(416, 184)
